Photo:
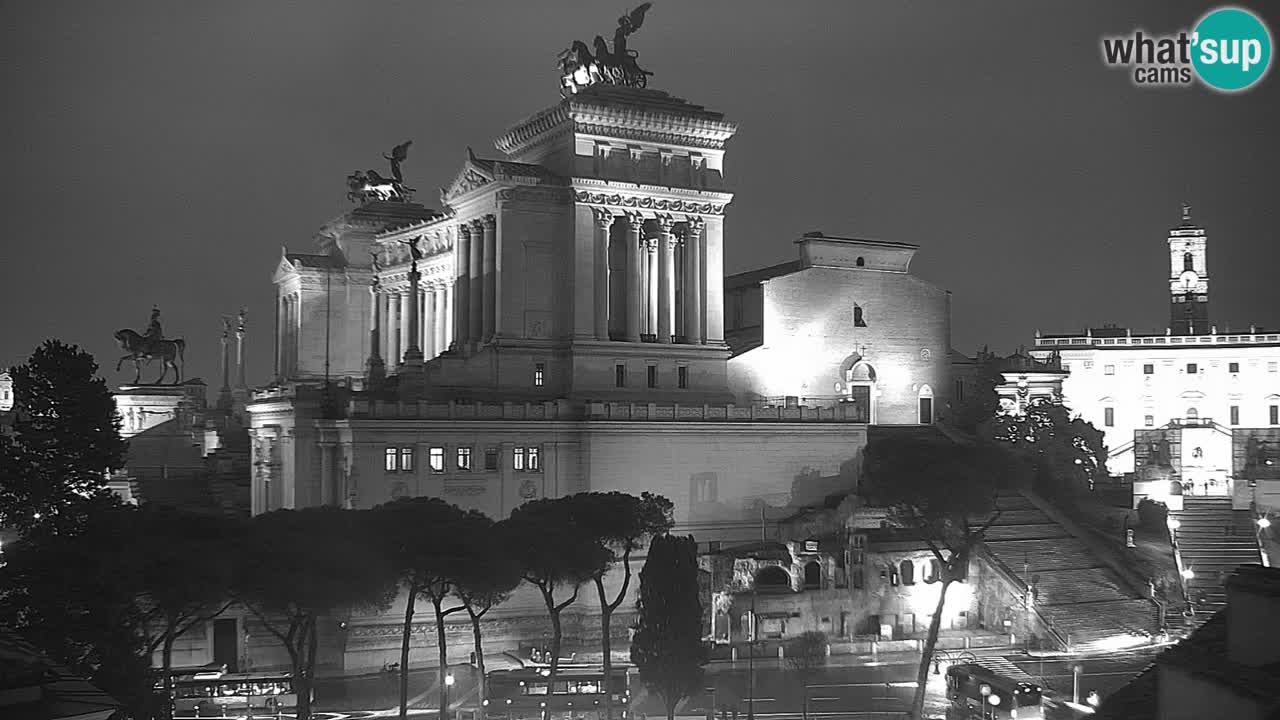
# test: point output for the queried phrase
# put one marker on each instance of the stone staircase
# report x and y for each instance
(1077, 593)
(1212, 540)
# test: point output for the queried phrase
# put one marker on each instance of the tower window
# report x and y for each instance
(1109, 369)
(1192, 369)
(682, 377)
(861, 262)
(1274, 411)
(1235, 414)
(1109, 417)
(1188, 261)
(1233, 367)
(651, 376)
(1149, 420)
(539, 374)
(1148, 369)
(619, 375)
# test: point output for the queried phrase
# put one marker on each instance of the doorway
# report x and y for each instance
(226, 643)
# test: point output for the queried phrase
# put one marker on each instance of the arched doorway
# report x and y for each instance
(859, 386)
(772, 578)
(925, 400)
(812, 576)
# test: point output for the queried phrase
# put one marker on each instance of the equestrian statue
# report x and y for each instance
(370, 185)
(580, 66)
(146, 347)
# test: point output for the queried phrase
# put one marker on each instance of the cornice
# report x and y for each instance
(655, 198)
(533, 130)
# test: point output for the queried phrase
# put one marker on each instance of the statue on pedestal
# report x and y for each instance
(580, 68)
(368, 186)
(141, 347)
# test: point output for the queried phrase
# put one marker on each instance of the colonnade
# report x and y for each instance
(393, 310)
(652, 279)
(288, 325)
(476, 285)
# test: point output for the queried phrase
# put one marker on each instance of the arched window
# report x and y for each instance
(907, 570)
(934, 573)
(813, 576)
(1188, 261)
(773, 577)
(925, 397)
(1193, 414)
(858, 319)
(861, 262)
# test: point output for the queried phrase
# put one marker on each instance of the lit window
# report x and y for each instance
(652, 376)
(1109, 369)
(464, 458)
(491, 459)
(1148, 369)
(391, 463)
(682, 377)
(1233, 367)
(1149, 420)
(437, 459)
(620, 375)
(1191, 369)
(1235, 414)
(406, 458)
(539, 371)
(517, 458)
(533, 459)
(1109, 417)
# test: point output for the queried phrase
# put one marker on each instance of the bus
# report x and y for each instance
(577, 694)
(213, 692)
(972, 686)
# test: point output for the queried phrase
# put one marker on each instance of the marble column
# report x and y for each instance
(387, 329)
(405, 323)
(375, 367)
(429, 346)
(240, 379)
(328, 492)
(490, 268)
(666, 258)
(280, 327)
(438, 324)
(450, 332)
(475, 269)
(693, 289)
(462, 287)
(635, 291)
(651, 286)
(604, 221)
(413, 306)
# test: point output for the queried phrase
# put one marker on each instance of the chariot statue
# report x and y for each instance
(580, 66)
(370, 185)
(145, 347)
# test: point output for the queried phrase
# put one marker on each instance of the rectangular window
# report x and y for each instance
(464, 458)
(1109, 417)
(406, 459)
(682, 377)
(436, 458)
(959, 391)
(1235, 414)
(517, 459)
(533, 459)
(1274, 411)
(1191, 369)
(1148, 369)
(491, 458)
(652, 375)
(1149, 420)
(1233, 367)
(392, 463)
(619, 375)
(1108, 369)
(539, 373)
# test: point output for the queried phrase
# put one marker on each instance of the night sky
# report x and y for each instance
(161, 153)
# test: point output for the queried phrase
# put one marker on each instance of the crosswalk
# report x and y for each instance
(1005, 667)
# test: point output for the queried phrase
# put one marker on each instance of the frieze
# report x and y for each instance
(657, 137)
(648, 203)
(534, 194)
(464, 488)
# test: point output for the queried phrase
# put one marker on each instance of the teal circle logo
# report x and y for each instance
(1231, 49)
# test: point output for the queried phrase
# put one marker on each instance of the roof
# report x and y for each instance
(35, 687)
(506, 169)
(768, 550)
(755, 277)
(331, 262)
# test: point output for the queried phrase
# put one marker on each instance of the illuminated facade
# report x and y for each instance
(1201, 380)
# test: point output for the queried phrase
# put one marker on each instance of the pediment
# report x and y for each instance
(1192, 395)
(285, 269)
(469, 177)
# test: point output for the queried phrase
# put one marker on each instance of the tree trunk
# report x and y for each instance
(926, 653)
(444, 658)
(301, 677)
(671, 707)
(804, 702)
(406, 635)
(606, 645)
(167, 662)
(482, 686)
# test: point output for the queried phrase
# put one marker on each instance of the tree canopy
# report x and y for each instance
(667, 648)
(66, 437)
(1062, 455)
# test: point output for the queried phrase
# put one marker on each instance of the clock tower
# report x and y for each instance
(1188, 278)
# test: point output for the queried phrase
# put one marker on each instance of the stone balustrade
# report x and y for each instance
(564, 410)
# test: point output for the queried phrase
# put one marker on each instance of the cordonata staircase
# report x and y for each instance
(1210, 541)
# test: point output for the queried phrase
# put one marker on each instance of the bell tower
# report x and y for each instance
(1188, 278)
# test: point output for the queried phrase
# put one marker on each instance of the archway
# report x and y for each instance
(772, 578)
(859, 385)
(925, 401)
(812, 575)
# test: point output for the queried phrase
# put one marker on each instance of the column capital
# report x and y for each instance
(464, 229)
(694, 224)
(635, 221)
(666, 223)
(604, 217)
(489, 222)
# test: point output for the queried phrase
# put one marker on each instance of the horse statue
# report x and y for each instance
(138, 349)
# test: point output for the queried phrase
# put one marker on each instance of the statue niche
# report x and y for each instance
(140, 347)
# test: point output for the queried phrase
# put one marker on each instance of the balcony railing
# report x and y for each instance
(563, 410)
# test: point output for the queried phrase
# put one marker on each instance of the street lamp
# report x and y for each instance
(448, 685)
(1264, 523)
(1188, 574)
(985, 689)
(1075, 683)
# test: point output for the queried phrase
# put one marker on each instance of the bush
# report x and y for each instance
(1152, 515)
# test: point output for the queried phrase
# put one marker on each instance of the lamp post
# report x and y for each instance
(1076, 670)
(448, 685)
(985, 689)
(751, 660)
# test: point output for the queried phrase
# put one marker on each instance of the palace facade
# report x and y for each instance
(1192, 406)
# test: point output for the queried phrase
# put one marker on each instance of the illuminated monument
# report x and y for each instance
(558, 325)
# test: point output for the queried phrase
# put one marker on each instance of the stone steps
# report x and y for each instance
(1095, 622)
(1065, 587)
(1036, 556)
(1026, 532)
(1213, 540)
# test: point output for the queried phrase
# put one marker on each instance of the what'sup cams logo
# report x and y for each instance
(1229, 51)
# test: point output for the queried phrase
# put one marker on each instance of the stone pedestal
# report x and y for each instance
(143, 407)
